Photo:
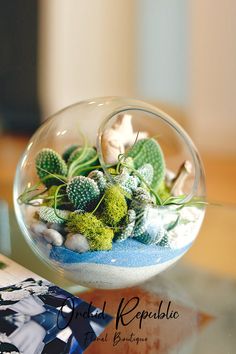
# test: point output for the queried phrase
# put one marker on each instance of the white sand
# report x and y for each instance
(104, 276)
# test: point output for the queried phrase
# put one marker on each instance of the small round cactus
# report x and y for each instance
(49, 162)
(147, 228)
(164, 241)
(128, 228)
(83, 192)
(48, 214)
(98, 177)
(142, 196)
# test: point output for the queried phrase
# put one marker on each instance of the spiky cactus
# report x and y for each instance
(48, 214)
(147, 228)
(142, 196)
(164, 241)
(49, 162)
(99, 178)
(128, 228)
(127, 182)
(83, 192)
(149, 151)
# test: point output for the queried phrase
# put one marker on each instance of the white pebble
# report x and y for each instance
(38, 228)
(54, 237)
(77, 242)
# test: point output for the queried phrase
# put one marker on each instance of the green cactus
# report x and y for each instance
(146, 172)
(82, 159)
(149, 151)
(114, 206)
(148, 238)
(142, 196)
(48, 214)
(164, 241)
(127, 182)
(128, 228)
(49, 162)
(99, 178)
(98, 235)
(67, 153)
(83, 192)
(146, 230)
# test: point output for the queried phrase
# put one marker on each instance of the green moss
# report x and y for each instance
(114, 206)
(50, 162)
(98, 235)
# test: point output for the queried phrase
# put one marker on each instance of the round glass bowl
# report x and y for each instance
(110, 192)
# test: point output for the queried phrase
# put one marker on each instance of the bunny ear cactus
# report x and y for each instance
(48, 163)
(67, 153)
(83, 192)
(148, 151)
(98, 177)
(81, 160)
(48, 214)
(129, 226)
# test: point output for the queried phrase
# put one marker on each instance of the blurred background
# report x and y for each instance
(180, 55)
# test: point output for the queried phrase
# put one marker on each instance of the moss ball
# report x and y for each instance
(114, 206)
(98, 235)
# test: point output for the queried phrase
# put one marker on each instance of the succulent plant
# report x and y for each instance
(146, 172)
(98, 235)
(147, 237)
(99, 178)
(114, 206)
(164, 241)
(67, 153)
(149, 151)
(147, 229)
(128, 228)
(80, 159)
(127, 182)
(142, 196)
(83, 192)
(48, 162)
(48, 214)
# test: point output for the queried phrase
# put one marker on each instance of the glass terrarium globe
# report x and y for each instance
(110, 192)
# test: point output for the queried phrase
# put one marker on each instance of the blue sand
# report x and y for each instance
(129, 253)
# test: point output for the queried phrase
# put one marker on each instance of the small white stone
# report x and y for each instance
(54, 237)
(77, 242)
(38, 228)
